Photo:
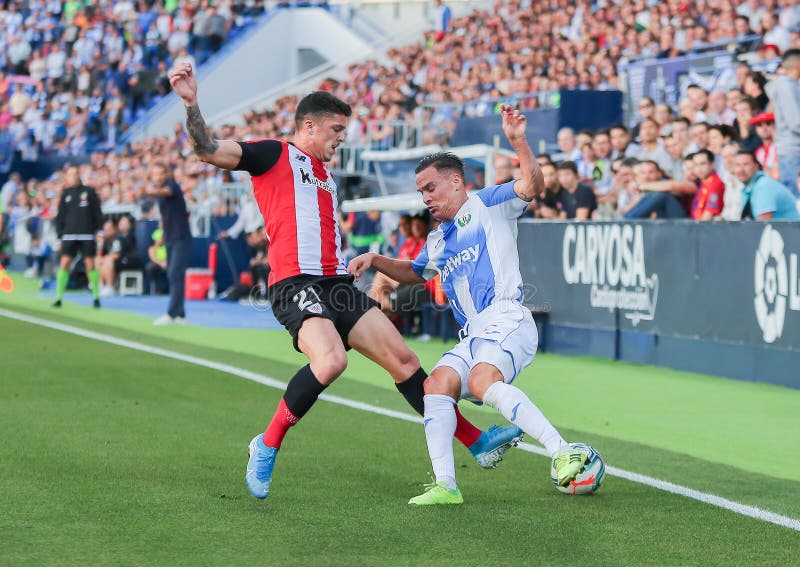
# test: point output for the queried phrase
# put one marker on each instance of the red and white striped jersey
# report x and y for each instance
(297, 197)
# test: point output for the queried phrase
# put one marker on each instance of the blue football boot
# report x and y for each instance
(489, 448)
(259, 467)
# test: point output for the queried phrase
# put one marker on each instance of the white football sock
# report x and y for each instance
(440, 426)
(517, 408)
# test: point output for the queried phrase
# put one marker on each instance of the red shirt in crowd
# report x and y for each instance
(708, 197)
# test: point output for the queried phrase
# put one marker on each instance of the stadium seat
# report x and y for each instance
(131, 282)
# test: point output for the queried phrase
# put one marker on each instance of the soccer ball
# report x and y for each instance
(587, 481)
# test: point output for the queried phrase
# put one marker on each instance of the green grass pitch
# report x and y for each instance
(116, 457)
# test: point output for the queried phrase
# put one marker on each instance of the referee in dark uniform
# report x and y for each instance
(79, 219)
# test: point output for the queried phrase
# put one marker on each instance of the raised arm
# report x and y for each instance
(221, 153)
(531, 181)
(398, 270)
(669, 186)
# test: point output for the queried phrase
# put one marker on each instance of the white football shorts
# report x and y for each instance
(504, 337)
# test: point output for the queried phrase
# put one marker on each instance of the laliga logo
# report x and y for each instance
(773, 284)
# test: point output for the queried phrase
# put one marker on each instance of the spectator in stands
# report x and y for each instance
(567, 144)
(754, 88)
(625, 186)
(546, 205)
(699, 133)
(259, 264)
(250, 221)
(763, 198)
(177, 239)
(504, 168)
(157, 262)
(663, 115)
(732, 200)
(585, 163)
(698, 97)
(774, 33)
(718, 110)
(364, 231)
(766, 154)
(110, 250)
(784, 92)
(709, 198)
(11, 187)
(382, 285)
(674, 169)
(621, 144)
(601, 168)
(576, 199)
(646, 110)
(663, 199)
(746, 108)
(652, 150)
(680, 129)
(718, 135)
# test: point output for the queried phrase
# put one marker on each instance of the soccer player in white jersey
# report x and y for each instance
(312, 294)
(475, 251)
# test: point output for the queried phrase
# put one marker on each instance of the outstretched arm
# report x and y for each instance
(221, 153)
(531, 181)
(398, 270)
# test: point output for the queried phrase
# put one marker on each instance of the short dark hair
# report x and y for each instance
(724, 130)
(790, 54)
(629, 162)
(682, 119)
(751, 102)
(603, 132)
(547, 157)
(704, 124)
(618, 127)
(696, 86)
(704, 152)
(752, 156)
(442, 161)
(318, 104)
(567, 165)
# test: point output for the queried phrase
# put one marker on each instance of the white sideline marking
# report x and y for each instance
(714, 500)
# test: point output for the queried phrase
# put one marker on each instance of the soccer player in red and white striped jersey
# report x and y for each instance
(312, 294)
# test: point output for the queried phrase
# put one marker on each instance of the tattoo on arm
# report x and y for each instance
(204, 144)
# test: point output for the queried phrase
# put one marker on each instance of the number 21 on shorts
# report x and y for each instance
(307, 299)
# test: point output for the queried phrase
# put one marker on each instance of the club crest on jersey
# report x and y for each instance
(309, 179)
(315, 308)
(464, 219)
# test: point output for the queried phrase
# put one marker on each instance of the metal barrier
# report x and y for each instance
(348, 160)
(394, 134)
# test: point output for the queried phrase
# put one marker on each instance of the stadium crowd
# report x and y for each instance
(74, 75)
(674, 162)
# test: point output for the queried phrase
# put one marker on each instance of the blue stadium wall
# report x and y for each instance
(717, 298)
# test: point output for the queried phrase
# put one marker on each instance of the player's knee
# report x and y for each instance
(331, 366)
(437, 385)
(480, 381)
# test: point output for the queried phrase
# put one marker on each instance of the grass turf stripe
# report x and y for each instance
(707, 498)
